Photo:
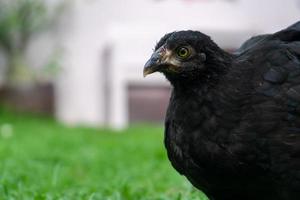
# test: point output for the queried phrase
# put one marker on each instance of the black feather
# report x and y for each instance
(233, 123)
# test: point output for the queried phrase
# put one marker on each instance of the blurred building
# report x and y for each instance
(106, 43)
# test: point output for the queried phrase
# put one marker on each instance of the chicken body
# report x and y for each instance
(233, 123)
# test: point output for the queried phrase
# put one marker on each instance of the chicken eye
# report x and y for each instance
(183, 52)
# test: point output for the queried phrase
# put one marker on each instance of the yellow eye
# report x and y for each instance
(183, 52)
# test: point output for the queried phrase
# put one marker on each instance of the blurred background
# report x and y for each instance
(79, 63)
(81, 60)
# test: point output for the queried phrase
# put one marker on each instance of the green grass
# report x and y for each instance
(42, 159)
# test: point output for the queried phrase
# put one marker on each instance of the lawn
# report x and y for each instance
(42, 159)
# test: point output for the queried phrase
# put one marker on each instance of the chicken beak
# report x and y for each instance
(153, 64)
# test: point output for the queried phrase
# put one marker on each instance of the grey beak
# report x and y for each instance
(153, 64)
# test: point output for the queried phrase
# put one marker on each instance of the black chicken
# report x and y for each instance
(233, 122)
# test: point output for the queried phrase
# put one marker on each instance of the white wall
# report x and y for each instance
(132, 27)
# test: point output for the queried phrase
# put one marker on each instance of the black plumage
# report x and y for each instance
(233, 122)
